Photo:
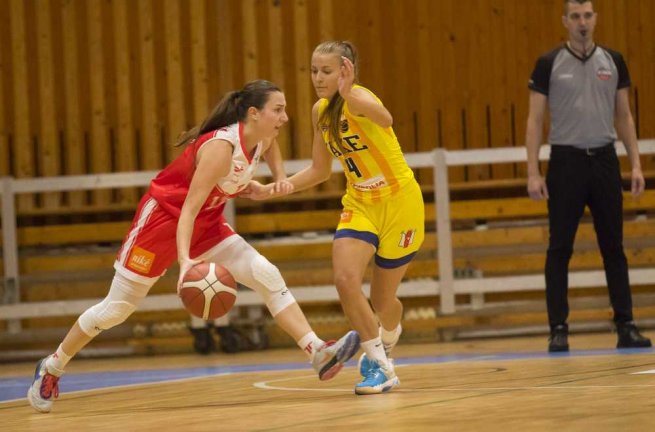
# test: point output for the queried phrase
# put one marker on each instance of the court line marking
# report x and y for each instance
(421, 360)
(264, 385)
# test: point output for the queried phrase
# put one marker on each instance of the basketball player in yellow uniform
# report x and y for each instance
(383, 214)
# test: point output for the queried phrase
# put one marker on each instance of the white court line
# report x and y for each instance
(651, 371)
(266, 386)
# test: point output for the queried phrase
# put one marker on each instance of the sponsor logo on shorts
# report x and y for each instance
(140, 260)
(604, 74)
(406, 238)
(346, 216)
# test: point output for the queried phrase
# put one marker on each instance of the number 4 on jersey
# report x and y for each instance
(352, 167)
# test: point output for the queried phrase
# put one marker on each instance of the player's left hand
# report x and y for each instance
(257, 191)
(282, 187)
(346, 77)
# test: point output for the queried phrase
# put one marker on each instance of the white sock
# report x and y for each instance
(375, 351)
(57, 361)
(390, 337)
(310, 343)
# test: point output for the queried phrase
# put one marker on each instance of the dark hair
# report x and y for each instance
(232, 108)
(566, 4)
(332, 114)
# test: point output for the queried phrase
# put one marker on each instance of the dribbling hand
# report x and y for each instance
(185, 266)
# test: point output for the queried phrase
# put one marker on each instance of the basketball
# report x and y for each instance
(208, 291)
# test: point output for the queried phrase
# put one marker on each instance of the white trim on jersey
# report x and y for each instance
(148, 209)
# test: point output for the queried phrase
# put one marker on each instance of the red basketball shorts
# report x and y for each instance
(149, 247)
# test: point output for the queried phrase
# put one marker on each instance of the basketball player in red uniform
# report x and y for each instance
(181, 216)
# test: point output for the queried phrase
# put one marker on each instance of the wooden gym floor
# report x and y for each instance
(508, 384)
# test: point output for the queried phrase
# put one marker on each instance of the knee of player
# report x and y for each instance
(267, 274)
(270, 285)
(383, 303)
(104, 316)
(347, 280)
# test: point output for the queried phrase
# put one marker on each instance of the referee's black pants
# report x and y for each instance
(576, 179)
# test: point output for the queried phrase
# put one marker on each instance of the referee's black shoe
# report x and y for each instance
(559, 339)
(629, 336)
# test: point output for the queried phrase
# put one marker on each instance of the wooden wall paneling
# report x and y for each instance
(199, 62)
(73, 132)
(608, 23)
(264, 36)
(374, 59)
(520, 64)
(211, 24)
(6, 101)
(6, 93)
(647, 86)
(286, 18)
(125, 147)
(84, 85)
(22, 136)
(499, 105)
(276, 34)
(99, 136)
(175, 81)
(187, 87)
(302, 128)
(634, 59)
(477, 69)
(150, 148)
(111, 86)
(49, 155)
(236, 18)
(398, 39)
(227, 58)
(425, 96)
(452, 86)
(250, 51)
(427, 54)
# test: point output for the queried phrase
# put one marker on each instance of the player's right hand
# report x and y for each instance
(185, 265)
(537, 188)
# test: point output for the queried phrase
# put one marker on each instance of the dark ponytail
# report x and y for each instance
(331, 117)
(232, 108)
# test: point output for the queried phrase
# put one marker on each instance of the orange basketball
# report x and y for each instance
(208, 291)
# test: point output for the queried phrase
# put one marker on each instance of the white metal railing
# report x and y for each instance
(447, 287)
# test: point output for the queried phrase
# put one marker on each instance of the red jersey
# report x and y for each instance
(171, 186)
(149, 247)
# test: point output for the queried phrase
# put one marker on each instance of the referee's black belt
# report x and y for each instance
(607, 148)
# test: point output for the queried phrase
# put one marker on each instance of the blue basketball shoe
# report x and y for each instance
(377, 380)
(364, 364)
(44, 389)
(329, 358)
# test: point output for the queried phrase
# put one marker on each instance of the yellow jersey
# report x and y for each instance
(370, 155)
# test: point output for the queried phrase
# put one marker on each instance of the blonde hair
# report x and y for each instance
(332, 114)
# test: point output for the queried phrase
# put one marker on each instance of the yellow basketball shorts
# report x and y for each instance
(394, 226)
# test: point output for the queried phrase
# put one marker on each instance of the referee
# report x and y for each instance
(586, 89)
